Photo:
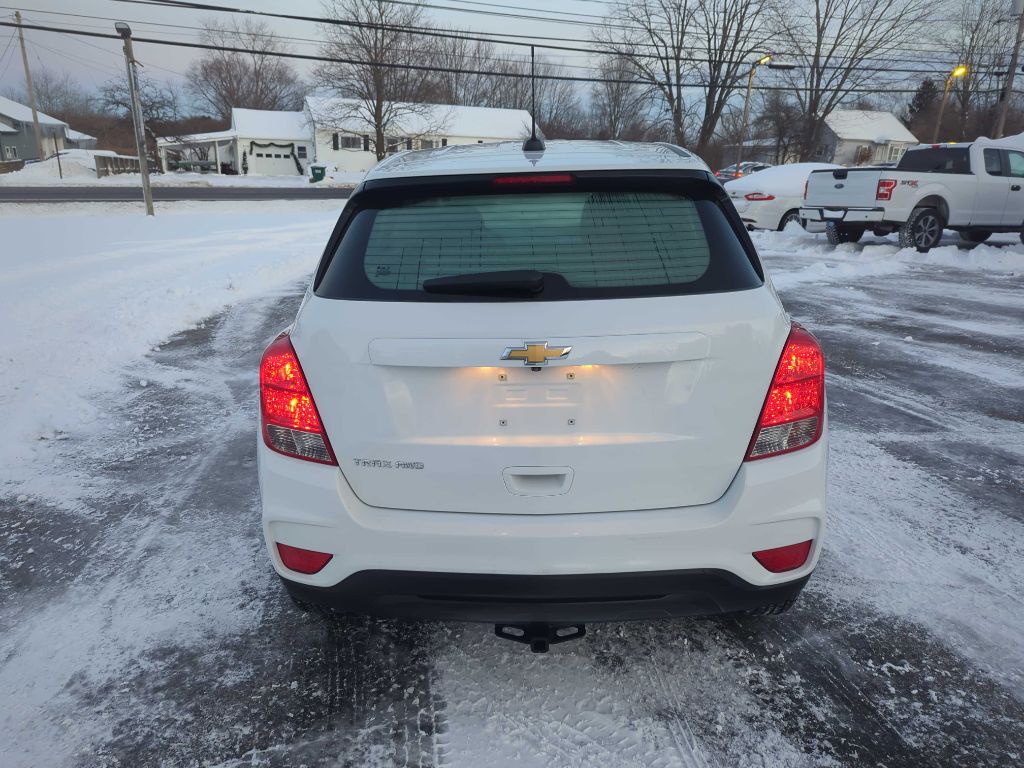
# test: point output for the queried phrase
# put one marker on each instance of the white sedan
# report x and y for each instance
(771, 198)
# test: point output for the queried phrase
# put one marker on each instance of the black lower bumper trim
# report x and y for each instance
(572, 598)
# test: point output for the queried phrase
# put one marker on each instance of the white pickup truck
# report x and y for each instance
(975, 189)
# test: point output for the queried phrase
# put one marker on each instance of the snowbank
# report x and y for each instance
(83, 297)
(79, 167)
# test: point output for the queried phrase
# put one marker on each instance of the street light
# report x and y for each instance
(958, 72)
(137, 120)
(766, 59)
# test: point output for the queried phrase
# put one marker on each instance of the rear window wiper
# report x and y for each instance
(528, 281)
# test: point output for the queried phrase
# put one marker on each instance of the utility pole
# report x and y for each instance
(29, 89)
(997, 132)
(140, 129)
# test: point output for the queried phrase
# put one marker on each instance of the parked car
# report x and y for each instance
(771, 199)
(538, 390)
(743, 169)
(972, 188)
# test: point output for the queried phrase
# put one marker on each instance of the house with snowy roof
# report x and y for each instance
(259, 142)
(863, 137)
(17, 135)
(345, 135)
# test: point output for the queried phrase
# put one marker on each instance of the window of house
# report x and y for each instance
(895, 153)
(11, 153)
(444, 142)
(393, 143)
(259, 154)
(301, 151)
(277, 155)
(350, 142)
(426, 143)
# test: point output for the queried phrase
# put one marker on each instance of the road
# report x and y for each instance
(156, 635)
(112, 194)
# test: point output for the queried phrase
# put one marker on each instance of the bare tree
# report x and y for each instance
(620, 109)
(57, 94)
(256, 79)
(838, 45)
(779, 120)
(730, 32)
(651, 35)
(385, 96)
(161, 103)
(982, 45)
(559, 111)
(455, 59)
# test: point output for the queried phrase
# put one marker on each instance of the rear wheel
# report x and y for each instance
(789, 216)
(842, 233)
(923, 230)
(975, 235)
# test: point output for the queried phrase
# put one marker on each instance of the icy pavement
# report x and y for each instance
(140, 624)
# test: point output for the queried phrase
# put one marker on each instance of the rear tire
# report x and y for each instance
(923, 230)
(842, 233)
(788, 216)
(975, 235)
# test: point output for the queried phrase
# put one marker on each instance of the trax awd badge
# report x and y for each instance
(536, 353)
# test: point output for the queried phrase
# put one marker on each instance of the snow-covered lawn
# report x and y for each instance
(87, 291)
(78, 167)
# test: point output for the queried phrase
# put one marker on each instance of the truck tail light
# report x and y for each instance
(756, 196)
(782, 559)
(289, 419)
(885, 188)
(793, 413)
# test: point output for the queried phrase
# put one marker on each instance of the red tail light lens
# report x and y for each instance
(756, 196)
(535, 180)
(302, 560)
(794, 411)
(885, 188)
(782, 559)
(291, 423)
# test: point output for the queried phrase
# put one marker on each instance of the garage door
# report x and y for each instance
(272, 164)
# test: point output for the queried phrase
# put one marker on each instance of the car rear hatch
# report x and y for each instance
(632, 380)
(843, 188)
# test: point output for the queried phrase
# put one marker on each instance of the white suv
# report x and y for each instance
(543, 388)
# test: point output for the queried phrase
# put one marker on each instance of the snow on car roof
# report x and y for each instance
(424, 119)
(508, 157)
(868, 125)
(21, 113)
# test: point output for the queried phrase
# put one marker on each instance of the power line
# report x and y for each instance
(414, 67)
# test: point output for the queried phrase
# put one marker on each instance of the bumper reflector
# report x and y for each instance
(782, 559)
(302, 560)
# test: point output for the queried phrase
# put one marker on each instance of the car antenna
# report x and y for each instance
(533, 144)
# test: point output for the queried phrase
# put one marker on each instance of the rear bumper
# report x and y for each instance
(844, 215)
(500, 598)
(771, 503)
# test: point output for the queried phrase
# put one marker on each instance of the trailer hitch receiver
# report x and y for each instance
(539, 635)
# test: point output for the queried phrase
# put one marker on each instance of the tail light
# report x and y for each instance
(885, 188)
(301, 560)
(782, 559)
(290, 421)
(756, 196)
(794, 411)
(535, 180)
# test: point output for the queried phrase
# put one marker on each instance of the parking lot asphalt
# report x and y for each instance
(143, 625)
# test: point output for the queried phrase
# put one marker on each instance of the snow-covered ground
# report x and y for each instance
(78, 167)
(141, 625)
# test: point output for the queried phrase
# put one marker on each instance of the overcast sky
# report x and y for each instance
(93, 61)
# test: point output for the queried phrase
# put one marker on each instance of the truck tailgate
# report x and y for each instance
(843, 187)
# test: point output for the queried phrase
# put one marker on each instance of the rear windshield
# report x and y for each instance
(587, 244)
(941, 160)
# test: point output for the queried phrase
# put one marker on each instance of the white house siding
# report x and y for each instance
(362, 156)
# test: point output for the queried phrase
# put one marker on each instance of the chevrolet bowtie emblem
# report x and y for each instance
(536, 353)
